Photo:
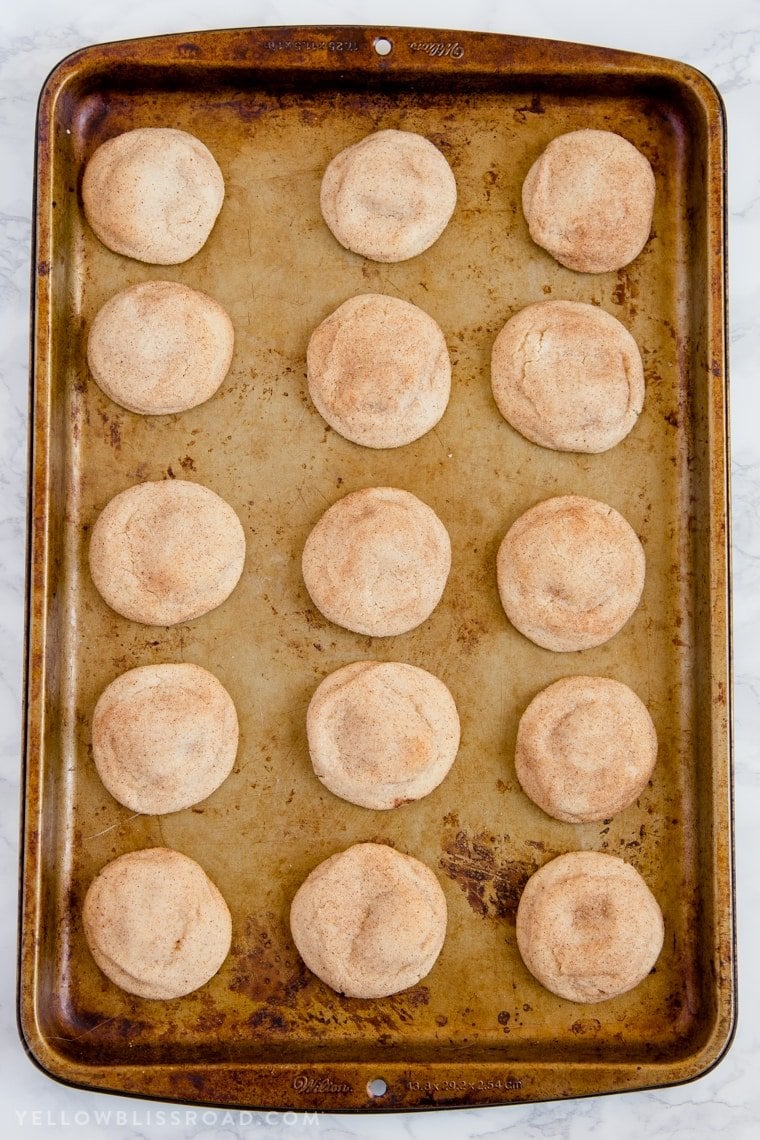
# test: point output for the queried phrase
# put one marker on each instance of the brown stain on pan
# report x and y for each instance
(491, 882)
(266, 965)
(268, 972)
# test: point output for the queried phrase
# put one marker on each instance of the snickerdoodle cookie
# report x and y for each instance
(155, 923)
(153, 193)
(588, 200)
(568, 376)
(389, 196)
(160, 347)
(570, 573)
(164, 737)
(377, 561)
(382, 733)
(588, 926)
(369, 921)
(379, 371)
(166, 552)
(586, 747)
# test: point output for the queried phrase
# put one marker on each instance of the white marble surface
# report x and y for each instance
(722, 37)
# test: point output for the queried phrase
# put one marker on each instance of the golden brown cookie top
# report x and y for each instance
(570, 573)
(586, 747)
(164, 737)
(379, 371)
(377, 561)
(568, 376)
(160, 347)
(153, 194)
(155, 923)
(369, 921)
(166, 552)
(588, 926)
(588, 200)
(382, 733)
(389, 196)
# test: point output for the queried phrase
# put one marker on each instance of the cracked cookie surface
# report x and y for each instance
(568, 376)
(160, 347)
(155, 923)
(153, 194)
(379, 371)
(389, 196)
(369, 921)
(570, 573)
(586, 747)
(164, 737)
(588, 200)
(166, 552)
(377, 561)
(382, 733)
(588, 927)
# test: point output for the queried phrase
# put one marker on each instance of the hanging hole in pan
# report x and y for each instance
(377, 1087)
(382, 46)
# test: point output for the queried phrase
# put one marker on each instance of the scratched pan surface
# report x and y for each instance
(274, 106)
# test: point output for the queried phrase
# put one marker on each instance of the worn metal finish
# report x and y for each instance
(274, 105)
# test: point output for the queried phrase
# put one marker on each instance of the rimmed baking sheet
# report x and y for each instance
(274, 105)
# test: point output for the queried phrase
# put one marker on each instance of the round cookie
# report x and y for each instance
(153, 194)
(377, 562)
(155, 923)
(588, 927)
(164, 737)
(568, 376)
(570, 573)
(382, 733)
(166, 552)
(586, 747)
(379, 371)
(369, 921)
(389, 196)
(160, 347)
(588, 200)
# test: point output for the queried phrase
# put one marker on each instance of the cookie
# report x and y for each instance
(155, 923)
(382, 733)
(588, 200)
(389, 196)
(570, 573)
(153, 194)
(164, 737)
(159, 347)
(369, 921)
(379, 371)
(586, 748)
(568, 376)
(166, 552)
(588, 927)
(377, 562)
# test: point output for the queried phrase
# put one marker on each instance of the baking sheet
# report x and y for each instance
(274, 105)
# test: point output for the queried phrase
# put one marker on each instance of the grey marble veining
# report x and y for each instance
(723, 39)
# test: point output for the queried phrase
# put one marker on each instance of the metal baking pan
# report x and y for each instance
(274, 105)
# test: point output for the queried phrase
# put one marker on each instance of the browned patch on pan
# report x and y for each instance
(492, 882)
(267, 967)
(288, 997)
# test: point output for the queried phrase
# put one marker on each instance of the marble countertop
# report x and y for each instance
(723, 40)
